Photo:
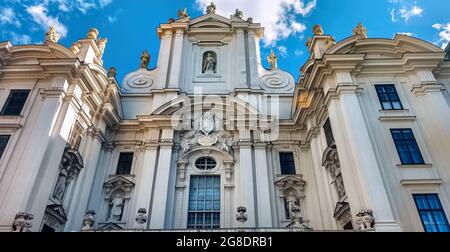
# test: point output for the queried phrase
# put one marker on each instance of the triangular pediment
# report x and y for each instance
(58, 212)
(290, 180)
(119, 180)
(110, 227)
(210, 21)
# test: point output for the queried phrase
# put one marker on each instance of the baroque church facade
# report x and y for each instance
(210, 139)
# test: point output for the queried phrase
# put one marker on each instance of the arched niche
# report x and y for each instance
(209, 63)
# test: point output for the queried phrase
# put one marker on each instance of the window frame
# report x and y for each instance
(391, 101)
(416, 145)
(207, 166)
(2, 150)
(293, 163)
(430, 210)
(119, 162)
(6, 105)
(214, 212)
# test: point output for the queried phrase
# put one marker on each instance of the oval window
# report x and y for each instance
(205, 163)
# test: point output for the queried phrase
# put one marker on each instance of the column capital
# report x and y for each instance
(260, 145)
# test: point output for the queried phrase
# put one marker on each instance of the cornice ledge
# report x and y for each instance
(426, 87)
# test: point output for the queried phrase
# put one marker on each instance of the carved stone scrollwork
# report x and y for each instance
(241, 216)
(22, 222)
(141, 218)
(182, 170)
(206, 135)
(276, 80)
(365, 220)
(88, 221)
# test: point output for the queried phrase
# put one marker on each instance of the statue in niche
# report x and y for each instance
(117, 204)
(291, 202)
(61, 185)
(209, 63)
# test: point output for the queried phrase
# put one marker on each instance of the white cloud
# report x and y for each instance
(104, 3)
(298, 52)
(444, 34)
(20, 39)
(407, 34)
(41, 17)
(112, 19)
(406, 14)
(404, 10)
(8, 16)
(281, 18)
(283, 51)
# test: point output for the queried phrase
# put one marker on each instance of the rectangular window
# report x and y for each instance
(388, 97)
(407, 147)
(204, 202)
(3, 142)
(15, 102)
(431, 213)
(76, 135)
(287, 163)
(328, 132)
(125, 163)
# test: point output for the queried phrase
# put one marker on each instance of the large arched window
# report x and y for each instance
(205, 163)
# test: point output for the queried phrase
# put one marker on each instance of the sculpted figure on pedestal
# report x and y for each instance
(209, 65)
(117, 207)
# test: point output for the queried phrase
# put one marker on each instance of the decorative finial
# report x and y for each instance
(241, 216)
(239, 14)
(171, 20)
(88, 221)
(317, 30)
(112, 72)
(101, 44)
(273, 60)
(75, 48)
(365, 220)
(211, 9)
(52, 35)
(92, 34)
(250, 20)
(23, 222)
(145, 60)
(182, 13)
(360, 32)
(141, 218)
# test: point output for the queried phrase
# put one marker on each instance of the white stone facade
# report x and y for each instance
(60, 164)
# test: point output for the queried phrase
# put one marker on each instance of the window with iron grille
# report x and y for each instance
(204, 202)
(15, 102)
(431, 213)
(76, 136)
(389, 98)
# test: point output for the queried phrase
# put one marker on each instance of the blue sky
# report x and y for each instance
(130, 25)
